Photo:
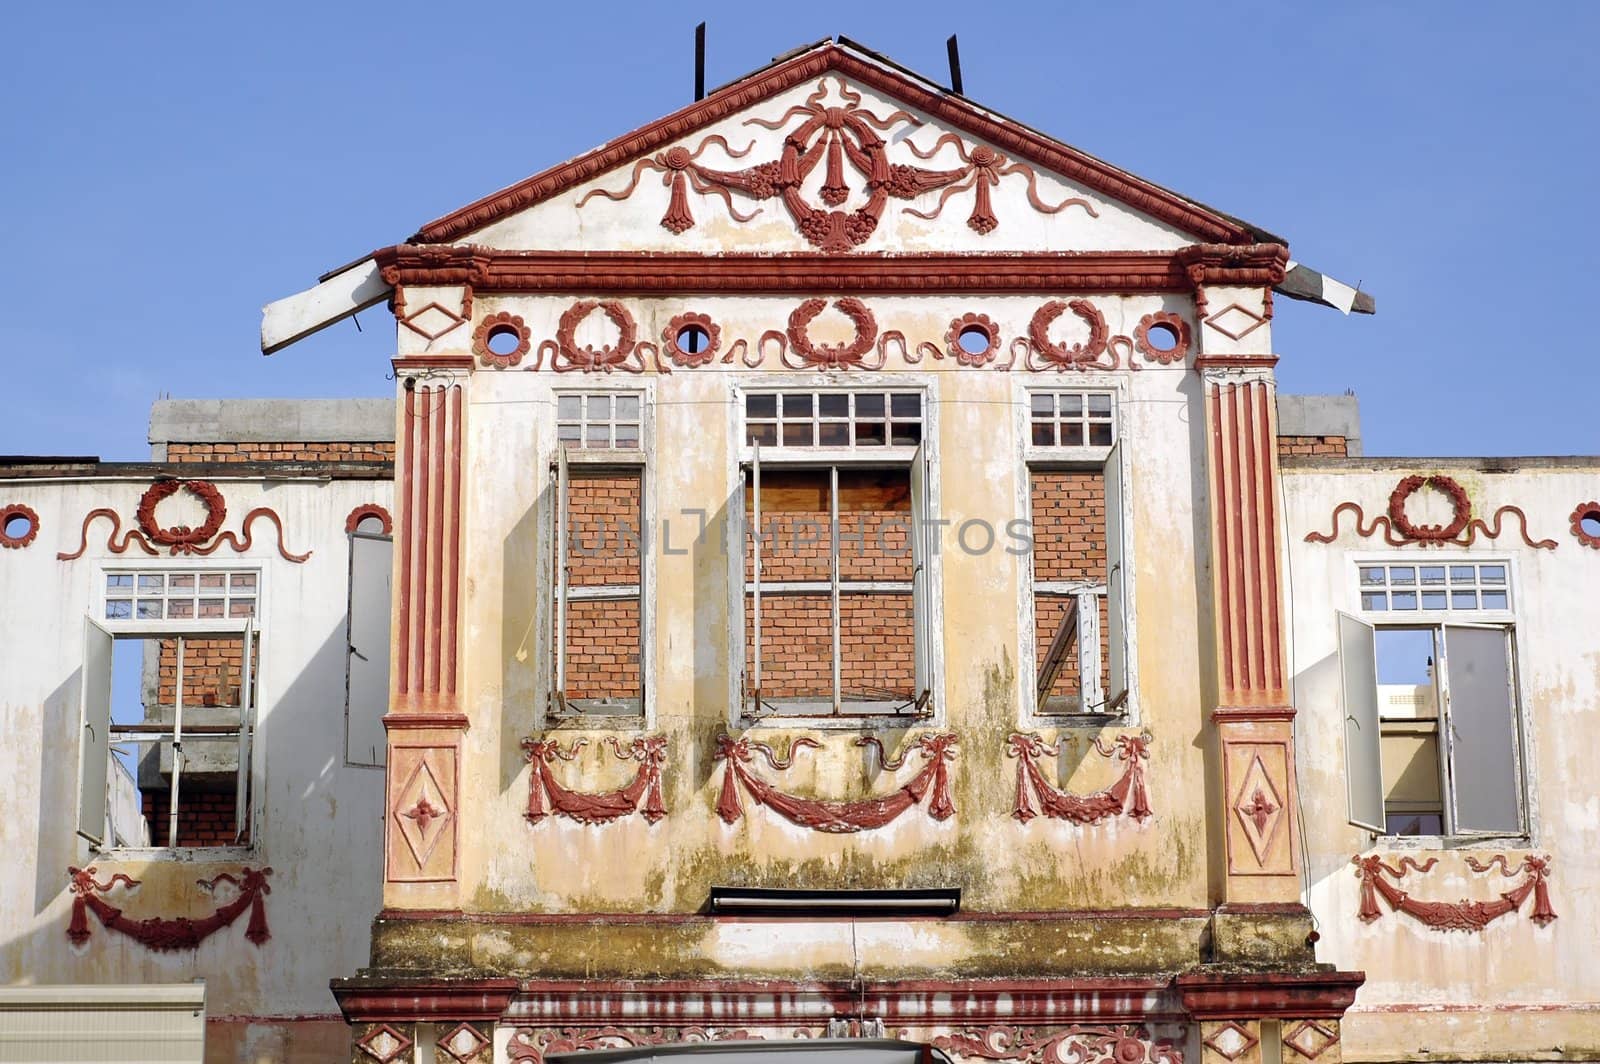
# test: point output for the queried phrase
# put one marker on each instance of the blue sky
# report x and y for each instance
(170, 168)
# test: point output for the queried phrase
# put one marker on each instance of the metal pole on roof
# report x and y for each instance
(954, 51)
(700, 62)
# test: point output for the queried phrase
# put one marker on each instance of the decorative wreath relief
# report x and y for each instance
(832, 356)
(501, 339)
(24, 515)
(1173, 326)
(590, 359)
(181, 538)
(1408, 487)
(1586, 513)
(703, 334)
(1064, 356)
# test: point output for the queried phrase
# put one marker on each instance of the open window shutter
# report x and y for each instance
(247, 728)
(1363, 741)
(94, 750)
(563, 530)
(921, 594)
(367, 648)
(1481, 720)
(1116, 694)
(755, 556)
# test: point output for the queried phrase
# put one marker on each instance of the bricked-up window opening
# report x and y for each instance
(1080, 632)
(1432, 728)
(599, 602)
(168, 765)
(593, 421)
(836, 603)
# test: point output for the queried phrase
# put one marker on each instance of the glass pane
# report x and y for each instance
(1413, 824)
(834, 404)
(150, 582)
(1405, 600)
(1044, 434)
(149, 610)
(1372, 577)
(119, 610)
(1099, 403)
(869, 404)
(903, 405)
(180, 608)
(181, 582)
(907, 433)
(1492, 574)
(871, 434)
(210, 581)
(796, 404)
(1464, 600)
(1495, 600)
(1071, 404)
(627, 436)
(1433, 574)
(1402, 574)
(210, 608)
(119, 581)
(243, 581)
(1482, 730)
(1043, 405)
(628, 407)
(597, 436)
(599, 407)
(834, 434)
(1374, 601)
(242, 608)
(761, 405)
(1434, 600)
(568, 407)
(1463, 574)
(568, 433)
(797, 434)
(765, 435)
(1100, 434)
(1071, 434)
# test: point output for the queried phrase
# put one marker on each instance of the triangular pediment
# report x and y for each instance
(834, 151)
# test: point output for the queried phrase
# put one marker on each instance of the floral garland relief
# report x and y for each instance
(167, 934)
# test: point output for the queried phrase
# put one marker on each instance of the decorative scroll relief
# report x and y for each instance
(1126, 797)
(1077, 1044)
(1464, 915)
(535, 1043)
(642, 794)
(1398, 528)
(832, 816)
(181, 539)
(169, 933)
(868, 347)
(833, 132)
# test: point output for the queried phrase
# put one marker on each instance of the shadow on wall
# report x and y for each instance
(525, 617)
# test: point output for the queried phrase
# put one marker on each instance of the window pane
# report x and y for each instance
(871, 434)
(906, 405)
(210, 608)
(834, 434)
(906, 433)
(119, 610)
(243, 581)
(1071, 434)
(796, 405)
(569, 407)
(1433, 574)
(181, 582)
(598, 436)
(765, 435)
(834, 404)
(761, 406)
(119, 581)
(627, 436)
(1434, 600)
(1100, 435)
(1044, 434)
(1464, 600)
(1492, 574)
(1462, 574)
(1405, 600)
(242, 608)
(1374, 600)
(1495, 600)
(627, 407)
(216, 581)
(797, 434)
(150, 582)
(869, 404)
(599, 407)
(568, 434)
(1043, 404)
(1071, 404)
(149, 610)
(1372, 576)
(1402, 574)
(1482, 730)
(180, 609)
(1099, 403)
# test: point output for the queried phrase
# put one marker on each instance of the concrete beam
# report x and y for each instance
(271, 421)
(338, 297)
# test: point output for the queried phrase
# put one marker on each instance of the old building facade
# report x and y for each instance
(853, 572)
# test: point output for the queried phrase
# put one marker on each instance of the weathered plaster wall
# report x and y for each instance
(315, 818)
(1513, 989)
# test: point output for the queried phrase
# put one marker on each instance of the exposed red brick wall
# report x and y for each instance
(876, 630)
(1307, 445)
(212, 671)
(372, 451)
(205, 813)
(603, 548)
(1068, 509)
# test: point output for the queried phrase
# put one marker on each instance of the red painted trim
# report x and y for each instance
(1235, 361)
(1010, 137)
(423, 527)
(454, 570)
(1246, 714)
(807, 273)
(1219, 544)
(407, 463)
(1257, 995)
(366, 510)
(436, 581)
(1263, 908)
(399, 721)
(1266, 463)
(423, 999)
(17, 509)
(410, 362)
(1249, 533)
(1427, 1007)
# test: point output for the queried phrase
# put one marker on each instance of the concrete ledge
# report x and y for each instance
(271, 421)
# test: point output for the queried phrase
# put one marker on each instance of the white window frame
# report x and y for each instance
(640, 460)
(1436, 621)
(1119, 524)
(928, 654)
(250, 776)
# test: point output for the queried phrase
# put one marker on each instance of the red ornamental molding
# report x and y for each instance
(1398, 529)
(642, 794)
(188, 541)
(752, 90)
(685, 359)
(1179, 328)
(181, 538)
(1128, 796)
(1061, 356)
(464, 1044)
(1081, 1044)
(12, 511)
(164, 934)
(832, 356)
(1587, 511)
(597, 360)
(967, 323)
(366, 510)
(983, 169)
(535, 1043)
(1463, 915)
(503, 323)
(836, 817)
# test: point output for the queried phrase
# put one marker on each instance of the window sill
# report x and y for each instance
(627, 722)
(876, 722)
(177, 855)
(1448, 843)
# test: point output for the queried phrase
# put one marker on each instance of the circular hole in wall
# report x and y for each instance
(371, 524)
(974, 340)
(1589, 522)
(17, 526)
(503, 340)
(1162, 337)
(692, 339)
